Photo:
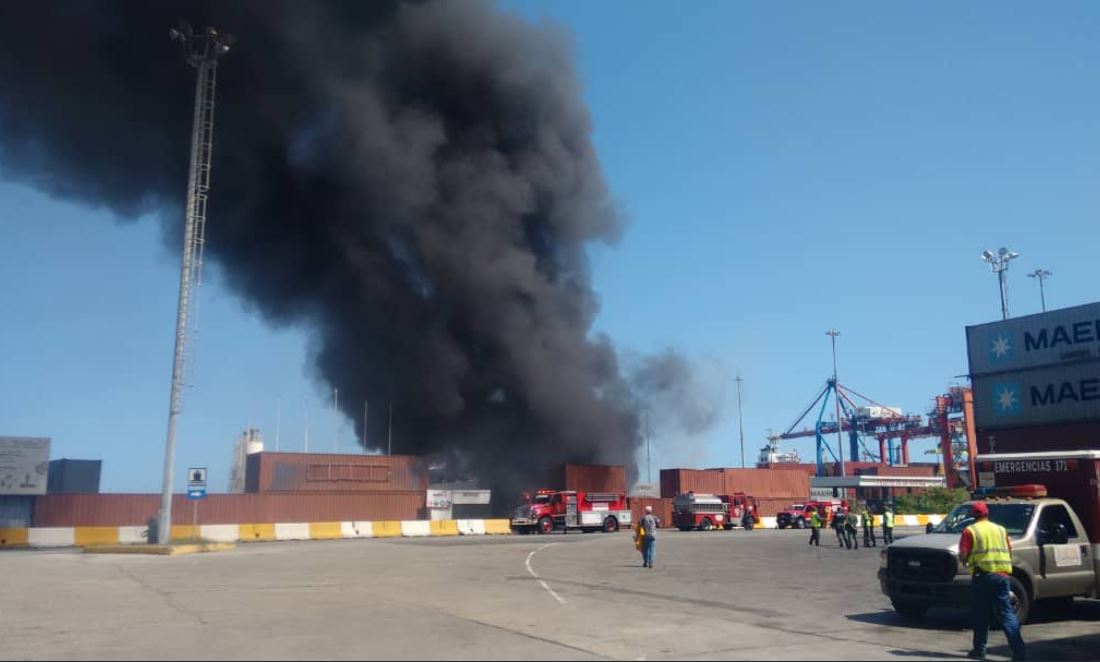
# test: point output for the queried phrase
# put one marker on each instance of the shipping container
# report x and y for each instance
(16, 511)
(680, 481)
(765, 483)
(595, 478)
(906, 470)
(1046, 395)
(1055, 337)
(662, 509)
(265, 508)
(1081, 435)
(74, 476)
(322, 472)
(1073, 476)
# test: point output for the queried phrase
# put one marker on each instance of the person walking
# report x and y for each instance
(868, 527)
(838, 524)
(987, 552)
(851, 528)
(888, 525)
(747, 519)
(815, 529)
(648, 526)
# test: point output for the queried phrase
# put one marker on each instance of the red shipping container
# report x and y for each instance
(680, 481)
(662, 508)
(765, 483)
(320, 472)
(595, 478)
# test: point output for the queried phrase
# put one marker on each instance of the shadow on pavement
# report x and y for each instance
(1081, 647)
(935, 619)
(924, 655)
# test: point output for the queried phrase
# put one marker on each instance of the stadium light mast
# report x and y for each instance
(999, 264)
(201, 50)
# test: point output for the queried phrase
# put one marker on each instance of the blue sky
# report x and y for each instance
(786, 168)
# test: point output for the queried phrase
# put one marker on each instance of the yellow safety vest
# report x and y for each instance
(888, 520)
(867, 519)
(990, 551)
(815, 521)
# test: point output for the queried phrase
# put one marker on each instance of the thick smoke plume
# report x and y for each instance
(414, 182)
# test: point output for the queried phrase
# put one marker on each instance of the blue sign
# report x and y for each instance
(196, 493)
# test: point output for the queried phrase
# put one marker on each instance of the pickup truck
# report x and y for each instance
(1050, 505)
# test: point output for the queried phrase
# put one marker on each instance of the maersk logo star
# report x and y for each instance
(1000, 348)
(1006, 399)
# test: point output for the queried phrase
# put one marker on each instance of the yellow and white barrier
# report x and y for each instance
(90, 536)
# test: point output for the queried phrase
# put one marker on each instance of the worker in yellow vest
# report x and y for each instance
(986, 550)
(888, 525)
(815, 529)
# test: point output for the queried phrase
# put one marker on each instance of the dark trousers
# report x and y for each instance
(887, 535)
(815, 537)
(853, 539)
(869, 537)
(841, 537)
(989, 592)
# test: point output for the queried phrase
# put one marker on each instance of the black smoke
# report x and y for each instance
(415, 183)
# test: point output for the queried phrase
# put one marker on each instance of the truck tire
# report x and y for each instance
(610, 525)
(546, 525)
(909, 610)
(800, 523)
(1020, 599)
(706, 524)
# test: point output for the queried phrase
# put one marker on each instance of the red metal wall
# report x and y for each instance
(594, 478)
(318, 472)
(138, 509)
(662, 508)
(761, 483)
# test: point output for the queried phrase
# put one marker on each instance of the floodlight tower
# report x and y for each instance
(999, 264)
(201, 50)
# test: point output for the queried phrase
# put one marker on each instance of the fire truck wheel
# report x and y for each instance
(546, 525)
(706, 525)
(610, 525)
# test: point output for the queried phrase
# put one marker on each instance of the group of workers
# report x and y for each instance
(847, 523)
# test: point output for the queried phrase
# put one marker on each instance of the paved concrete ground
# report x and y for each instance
(729, 595)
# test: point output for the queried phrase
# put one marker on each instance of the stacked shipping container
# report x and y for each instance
(316, 472)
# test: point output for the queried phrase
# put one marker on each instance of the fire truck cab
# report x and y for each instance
(738, 503)
(550, 510)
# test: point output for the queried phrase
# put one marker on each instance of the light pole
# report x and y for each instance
(202, 51)
(1041, 275)
(999, 264)
(740, 419)
(833, 333)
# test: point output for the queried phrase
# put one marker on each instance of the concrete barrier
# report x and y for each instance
(13, 537)
(325, 531)
(292, 531)
(416, 528)
(447, 527)
(386, 529)
(357, 529)
(257, 532)
(471, 527)
(231, 533)
(498, 527)
(220, 532)
(95, 535)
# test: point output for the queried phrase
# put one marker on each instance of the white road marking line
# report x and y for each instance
(534, 574)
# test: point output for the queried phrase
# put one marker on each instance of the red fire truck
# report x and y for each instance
(798, 515)
(699, 511)
(712, 511)
(550, 510)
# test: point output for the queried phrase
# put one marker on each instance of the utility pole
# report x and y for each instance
(202, 52)
(389, 442)
(999, 264)
(833, 333)
(335, 421)
(740, 420)
(366, 411)
(1041, 275)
